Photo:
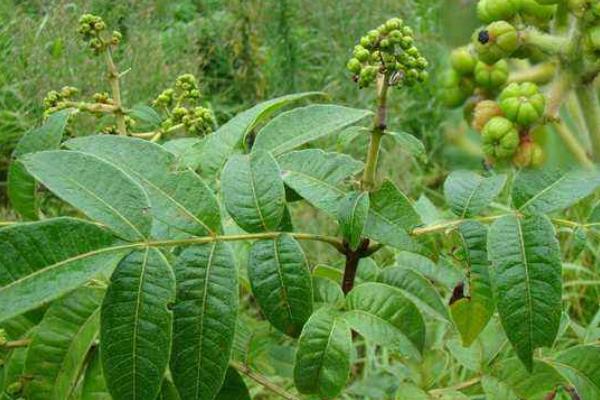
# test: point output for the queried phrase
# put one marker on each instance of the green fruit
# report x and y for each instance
(522, 103)
(394, 24)
(455, 90)
(528, 154)
(483, 112)
(462, 60)
(361, 53)
(496, 10)
(496, 41)
(354, 66)
(491, 76)
(500, 138)
(532, 8)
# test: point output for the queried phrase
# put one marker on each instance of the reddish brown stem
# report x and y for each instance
(352, 259)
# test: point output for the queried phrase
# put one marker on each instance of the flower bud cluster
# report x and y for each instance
(55, 99)
(388, 50)
(92, 29)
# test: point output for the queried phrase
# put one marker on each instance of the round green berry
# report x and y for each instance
(499, 138)
(491, 76)
(462, 60)
(454, 89)
(354, 66)
(522, 103)
(496, 41)
(496, 10)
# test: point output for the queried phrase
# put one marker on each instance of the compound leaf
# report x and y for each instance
(135, 334)
(41, 261)
(99, 189)
(253, 191)
(281, 283)
(526, 279)
(180, 200)
(468, 193)
(322, 362)
(205, 317)
(60, 344)
(302, 125)
(472, 312)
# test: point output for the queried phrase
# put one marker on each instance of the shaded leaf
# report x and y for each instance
(409, 143)
(472, 312)
(234, 387)
(526, 278)
(204, 319)
(581, 365)
(381, 313)
(60, 344)
(94, 386)
(391, 217)
(352, 217)
(278, 273)
(317, 176)
(180, 200)
(526, 384)
(99, 189)
(299, 126)
(322, 362)
(540, 191)
(468, 193)
(41, 261)
(135, 335)
(253, 191)
(21, 185)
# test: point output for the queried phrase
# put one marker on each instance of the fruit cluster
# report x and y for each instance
(91, 28)
(55, 99)
(181, 105)
(389, 51)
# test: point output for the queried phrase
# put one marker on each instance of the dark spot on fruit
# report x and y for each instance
(483, 37)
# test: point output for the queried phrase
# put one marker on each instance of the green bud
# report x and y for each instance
(496, 41)
(354, 66)
(539, 12)
(406, 42)
(422, 63)
(496, 10)
(499, 138)
(462, 60)
(522, 103)
(407, 31)
(385, 43)
(549, 2)
(413, 51)
(394, 24)
(491, 76)
(483, 112)
(395, 37)
(373, 36)
(365, 42)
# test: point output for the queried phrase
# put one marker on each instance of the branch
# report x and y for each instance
(573, 144)
(540, 74)
(115, 86)
(262, 380)
(546, 42)
(590, 107)
(379, 126)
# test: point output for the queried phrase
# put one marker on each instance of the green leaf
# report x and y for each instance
(441, 273)
(135, 334)
(539, 191)
(415, 287)
(526, 279)
(21, 185)
(391, 216)
(253, 191)
(183, 150)
(168, 391)
(538, 381)
(327, 291)
(299, 126)
(468, 193)
(472, 312)
(217, 147)
(278, 273)
(60, 344)
(205, 317)
(322, 362)
(352, 217)
(145, 114)
(581, 365)
(381, 313)
(234, 387)
(99, 189)
(316, 176)
(409, 143)
(497, 390)
(94, 386)
(180, 200)
(41, 261)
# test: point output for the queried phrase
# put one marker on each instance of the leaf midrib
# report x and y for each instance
(542, 192)
(528, 286)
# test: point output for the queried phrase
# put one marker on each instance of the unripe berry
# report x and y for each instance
(528, 154)
(354, 66)
(361, 53)
(483, 112)
(540, 13)
(499, 138)
(394, 23)
(385, 43)
(462, 60)
(491, 76)
(498, 40)
(365, 42)
(496, 10)
(407, 31)
(522, 103)
(455, 90)
(396, 37)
